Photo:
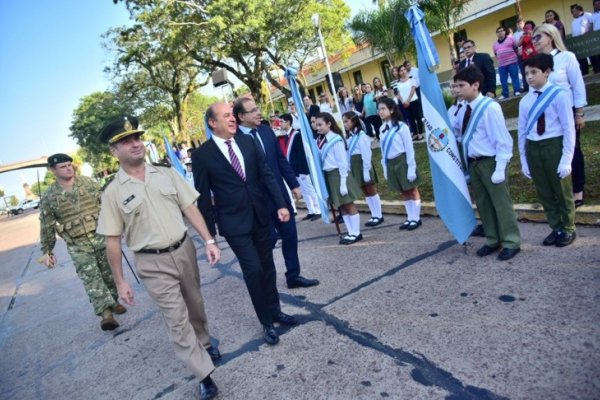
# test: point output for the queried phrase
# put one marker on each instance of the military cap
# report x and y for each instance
(58, 158)
(120, 129)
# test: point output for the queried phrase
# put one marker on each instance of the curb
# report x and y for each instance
(584, 215)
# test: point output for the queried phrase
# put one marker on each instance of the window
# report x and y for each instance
(358, 79)
(387, 73)
(319, 89)
(462, 34)
(509, 23)
(311, 94)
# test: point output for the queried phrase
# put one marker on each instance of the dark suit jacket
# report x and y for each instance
(238, 204)
(484, 62)
(313, 110)
(282, 170)
(297, 156)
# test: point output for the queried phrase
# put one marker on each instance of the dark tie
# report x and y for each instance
(321, 142)
(253, 132)
(235, 162)
(468, 62)
(387, 128)
(458, 106)
(466, 119)
(541, 121)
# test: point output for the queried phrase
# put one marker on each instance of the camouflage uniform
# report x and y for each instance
(73, 215)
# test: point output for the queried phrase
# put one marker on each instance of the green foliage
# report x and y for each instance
(442, 16)
(12, 201)
(39, 188)
(385, 29)
(94, 112)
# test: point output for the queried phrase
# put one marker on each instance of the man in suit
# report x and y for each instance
(484, 62)
(234, 169)
(248, 116)
(311, 109)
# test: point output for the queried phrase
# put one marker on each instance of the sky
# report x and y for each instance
(52, 56)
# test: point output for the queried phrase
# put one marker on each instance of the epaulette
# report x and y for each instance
(108, 181)
(165, 164)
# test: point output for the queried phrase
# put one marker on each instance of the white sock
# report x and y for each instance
(346, 219)
(417, 210)
(369, 201)
(376, 210)
(355, 224)
(408, 204)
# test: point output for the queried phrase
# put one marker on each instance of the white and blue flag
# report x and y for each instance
(175, 162)
(310, 146)
(452, 198)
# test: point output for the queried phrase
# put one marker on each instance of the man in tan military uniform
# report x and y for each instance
(146, 202)
(70, 209)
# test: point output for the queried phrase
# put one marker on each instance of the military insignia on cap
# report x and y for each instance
(127, 125)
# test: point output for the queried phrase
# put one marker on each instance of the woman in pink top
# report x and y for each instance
(508, 63)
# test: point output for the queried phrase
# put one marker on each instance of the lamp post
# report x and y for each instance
(316, 21)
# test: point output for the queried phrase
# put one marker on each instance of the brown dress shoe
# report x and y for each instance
(119, 309)
(108, 323)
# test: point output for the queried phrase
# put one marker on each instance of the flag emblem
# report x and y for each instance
(438, 139)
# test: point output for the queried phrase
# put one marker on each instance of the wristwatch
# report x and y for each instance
(210, 241)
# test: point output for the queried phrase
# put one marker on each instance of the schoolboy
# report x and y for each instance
(546, 145)
(487, 149)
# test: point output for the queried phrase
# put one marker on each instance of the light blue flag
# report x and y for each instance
(310, 146)
(450, 190)
(175, 163)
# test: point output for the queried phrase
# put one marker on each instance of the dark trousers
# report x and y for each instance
(578, 165)
(255, 254)
(595, 63)
(374, 120)
(584, 66)
(522, 69)
(289, 244)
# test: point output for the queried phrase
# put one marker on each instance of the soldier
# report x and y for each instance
(70, 208)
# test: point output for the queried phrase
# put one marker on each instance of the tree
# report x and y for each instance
(385, 29)
(94, 112)
(39, 188)
(154, 68)
(13, 201)
(250, 39)
(442, 15)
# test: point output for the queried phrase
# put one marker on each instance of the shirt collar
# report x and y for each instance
(245, 129)
(219, 141)
(476, 100)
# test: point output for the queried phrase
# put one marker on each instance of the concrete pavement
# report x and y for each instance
(399, 315)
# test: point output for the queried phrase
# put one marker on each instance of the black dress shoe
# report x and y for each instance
(214, 353)
(316, 217)
(412, 225)
(374, 221)
(565, 239)
(478, 231)
(285, 319)
(507, 254)
(405, 225)
(551, 238)
(270, 335)
(208, 389)
(308, 216)
(486, 250)
(301, 282)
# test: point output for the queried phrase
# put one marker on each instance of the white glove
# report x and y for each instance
(564, 169)
(384, 169)
(499, 174)
(366, 175)
(343, 186)
(412, 173)
(525, 168)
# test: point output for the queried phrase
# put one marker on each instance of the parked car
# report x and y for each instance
(24, 206)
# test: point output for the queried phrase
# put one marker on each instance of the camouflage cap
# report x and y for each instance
(120, 129)
(58, 158)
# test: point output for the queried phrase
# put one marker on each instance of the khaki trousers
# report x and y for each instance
(173, 281)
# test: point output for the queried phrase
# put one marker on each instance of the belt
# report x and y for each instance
(471, 159)
(169, 249)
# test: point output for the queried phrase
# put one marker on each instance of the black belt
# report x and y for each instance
(169, 249)
(471, 159)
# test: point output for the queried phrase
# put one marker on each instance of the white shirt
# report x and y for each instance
(401, 142)
(404, 89)
(363, 147)
(490, 137)
(567, 75)
(337, 157)
(559, 122)
(595, 18)
(582, 24)
(455, 114)
(225, 150)
(414, 75)
(325, 107)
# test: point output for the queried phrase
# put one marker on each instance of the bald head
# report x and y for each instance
(219, 117)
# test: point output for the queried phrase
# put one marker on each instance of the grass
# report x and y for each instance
(522, 189)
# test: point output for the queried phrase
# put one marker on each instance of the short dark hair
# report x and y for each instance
(469, 41)
(541, 61)
(238, 107)
(287, 118)
(209, 114)
(500, 28)
(471, 75)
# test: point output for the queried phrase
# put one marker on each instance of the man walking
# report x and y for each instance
(233, 168)
(248, 117)
(70, 209)
(145, 203)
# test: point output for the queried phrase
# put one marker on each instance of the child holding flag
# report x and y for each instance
(359, 154)
(546, 144)
(398, 160)
(343, 189)
(487, 149)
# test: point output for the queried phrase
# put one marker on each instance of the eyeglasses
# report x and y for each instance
(537, 38)
(468, 47)
(255, 109)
